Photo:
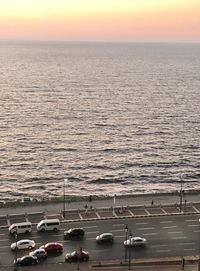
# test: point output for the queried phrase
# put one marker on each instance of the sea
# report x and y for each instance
(98, 118)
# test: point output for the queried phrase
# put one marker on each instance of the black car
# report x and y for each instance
(26, 260)
(74, 233)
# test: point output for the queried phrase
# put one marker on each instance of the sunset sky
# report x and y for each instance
(101, 20)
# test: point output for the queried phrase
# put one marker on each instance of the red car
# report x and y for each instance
(53, 247)
(75, 256)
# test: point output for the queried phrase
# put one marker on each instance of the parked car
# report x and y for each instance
(52, 247)
(75, 256)
(40, 253)
(74, 233)
(23, 244)
(136, 242)
(105, 238)
(26, 260)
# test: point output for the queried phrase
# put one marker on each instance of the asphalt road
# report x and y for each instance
(177, 235)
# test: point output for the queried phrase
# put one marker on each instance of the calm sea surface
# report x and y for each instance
(111, 118)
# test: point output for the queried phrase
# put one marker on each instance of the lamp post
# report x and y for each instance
(64, 185)
(15, 250)
(129, 262)
(125, 247)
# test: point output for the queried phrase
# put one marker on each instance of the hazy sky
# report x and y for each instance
(101, 20)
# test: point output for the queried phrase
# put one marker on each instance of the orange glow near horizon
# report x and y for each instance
(127, 20)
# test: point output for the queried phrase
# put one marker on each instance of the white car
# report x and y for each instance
(23, 244)
(136, 242)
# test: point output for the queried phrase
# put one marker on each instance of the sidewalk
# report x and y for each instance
(128, 200)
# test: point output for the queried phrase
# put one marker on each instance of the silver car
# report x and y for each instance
(136, 242)
(105, 238)
(40, 253)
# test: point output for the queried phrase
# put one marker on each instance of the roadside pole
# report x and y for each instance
(126, 236)
(15, 268)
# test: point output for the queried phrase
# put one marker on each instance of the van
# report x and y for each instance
(23, 227)
(48, 225)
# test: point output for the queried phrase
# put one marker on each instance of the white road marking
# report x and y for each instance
(186, 244)
(175, 232)
(141, 223)
(165, 222)
(197, 231)
(169, 227)
(121, 236)
(190, 220)
(92, 232)
(163, 250)
(196, 225)
(89, 227)
(144, 229)
(153, 233)
(159, 246)
(181, 237)
(118, 225)
(3, 240)
(188, 249)
(117, 230)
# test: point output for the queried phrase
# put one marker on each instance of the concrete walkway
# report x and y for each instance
(129, 200)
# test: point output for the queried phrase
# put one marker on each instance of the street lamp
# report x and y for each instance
(129, 262)
(65, 181)
(16, 250)
(125, 247)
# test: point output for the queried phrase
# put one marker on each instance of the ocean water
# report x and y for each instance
(111, 118)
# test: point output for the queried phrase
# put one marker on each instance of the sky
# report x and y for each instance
(101, 20)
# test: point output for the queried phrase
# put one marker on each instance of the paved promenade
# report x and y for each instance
(109, 208)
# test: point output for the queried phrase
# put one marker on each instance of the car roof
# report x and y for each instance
(106, 234)
(76, 229)
(25, 240)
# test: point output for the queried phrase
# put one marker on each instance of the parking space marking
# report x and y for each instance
(195, 225)
(165, 222)
(190, 220)
(197, 231)
(189, 249)
(141, 223)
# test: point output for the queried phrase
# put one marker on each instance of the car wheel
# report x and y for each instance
(42, 230)
(55, 229)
